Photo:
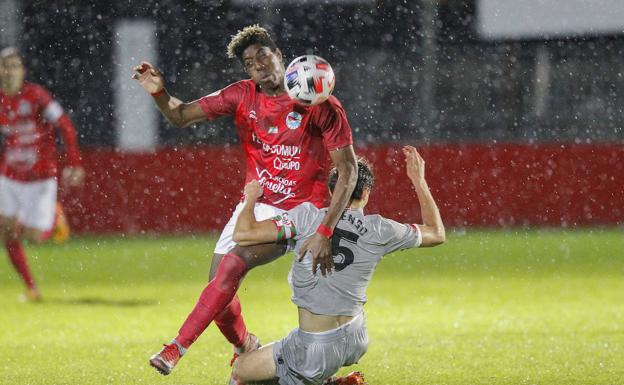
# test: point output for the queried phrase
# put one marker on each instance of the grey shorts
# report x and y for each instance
(305, 358)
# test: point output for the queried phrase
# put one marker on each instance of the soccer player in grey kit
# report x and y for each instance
(332, 327)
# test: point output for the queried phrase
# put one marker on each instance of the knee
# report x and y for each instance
(9, 229)
(244, 253)
(231, 271)
(236, 369)
(240, 370)
(33, 235)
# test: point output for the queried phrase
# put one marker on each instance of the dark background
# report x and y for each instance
(395, 83)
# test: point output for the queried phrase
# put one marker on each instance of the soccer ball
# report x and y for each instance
(309, 80)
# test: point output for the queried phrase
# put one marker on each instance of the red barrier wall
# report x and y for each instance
(196, 188)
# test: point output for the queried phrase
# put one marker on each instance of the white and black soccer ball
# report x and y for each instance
(309, 80)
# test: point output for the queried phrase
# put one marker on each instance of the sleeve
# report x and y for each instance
(223, 102)
(398, 236)
(335, 128)
(52, 112)
(285, 227)
(297, 222)
(70, 139)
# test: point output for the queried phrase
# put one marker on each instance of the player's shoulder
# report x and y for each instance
(331, 104)
(238, 88)
(307, 208)
(241, 86)
(34, 90)
(380, 227)
(374, 221)
(246, 83)
(305, 216)
(329, 110)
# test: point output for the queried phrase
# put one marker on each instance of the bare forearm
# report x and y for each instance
(246, 218)
(345, 185)
(171, 108)
(429, 210)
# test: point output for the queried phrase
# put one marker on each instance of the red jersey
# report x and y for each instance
(287, 145)
(27, 122)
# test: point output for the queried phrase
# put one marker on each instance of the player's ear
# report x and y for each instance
(278, 53)
(365, 195)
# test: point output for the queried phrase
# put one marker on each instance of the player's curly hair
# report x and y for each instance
(249, 35)
(366, 179)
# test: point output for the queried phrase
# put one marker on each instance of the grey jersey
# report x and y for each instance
(359, 242)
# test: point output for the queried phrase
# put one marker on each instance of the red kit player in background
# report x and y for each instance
(28, 170)
(287, 148)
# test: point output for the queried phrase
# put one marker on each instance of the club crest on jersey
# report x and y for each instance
(24, 108)
(252, 115)
(293, 120)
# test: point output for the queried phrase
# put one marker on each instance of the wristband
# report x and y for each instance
(158, 93)
(324, 231)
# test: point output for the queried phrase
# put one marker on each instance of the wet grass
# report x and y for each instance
(488, 307)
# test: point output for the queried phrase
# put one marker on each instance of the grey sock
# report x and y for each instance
(181, 348)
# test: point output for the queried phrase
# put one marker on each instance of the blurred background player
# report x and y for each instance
(332, 328)
(287, 147)
(28, 173)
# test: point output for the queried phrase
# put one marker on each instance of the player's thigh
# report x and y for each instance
(255, 366)
(252, 256)
(9, 201)
(38, 202)
(226, 241)
(262, 211)
(6, 223)
(9, 228)
(260, 254)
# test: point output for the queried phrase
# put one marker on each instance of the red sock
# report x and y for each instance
(215, 297)
(230, 322)
(18, 258)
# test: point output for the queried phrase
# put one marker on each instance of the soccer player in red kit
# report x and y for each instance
(28, 169)
(287, 147)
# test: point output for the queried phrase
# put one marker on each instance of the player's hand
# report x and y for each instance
(253, 190)
(149, 77)
(320, 248)
(414, 164)
(73, 176)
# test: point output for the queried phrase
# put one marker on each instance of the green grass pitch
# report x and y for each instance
(488, 307)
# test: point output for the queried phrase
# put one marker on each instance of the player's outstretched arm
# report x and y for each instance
(319, 244)
(248, 231)
(73, 174)
(178, 113)
(432, 229)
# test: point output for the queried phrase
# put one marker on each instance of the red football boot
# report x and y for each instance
(354, 378)
(166, 359)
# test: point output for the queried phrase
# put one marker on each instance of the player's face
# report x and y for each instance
(12, 74)
(264, 67)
